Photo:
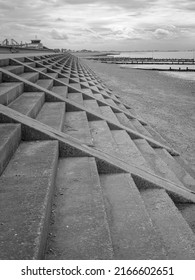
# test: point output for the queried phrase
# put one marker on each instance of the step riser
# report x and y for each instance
(159, 167)
(80, 229)
(176, 233)
(11, 94)
(187, 180)
(76, 125)
(26, 191)
(9, 145)
(132, 232)
(52, 114)
(29, 103)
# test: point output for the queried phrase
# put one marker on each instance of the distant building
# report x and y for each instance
(36, 44)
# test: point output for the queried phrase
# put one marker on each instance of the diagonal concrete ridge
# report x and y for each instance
(51, 96)
(69, 146)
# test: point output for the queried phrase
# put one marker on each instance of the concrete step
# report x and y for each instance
(92, 105)
(107, 112)
(176, 233)
(99, 96)
(188, 212)
(187, 180)
(52, 114)
(52, 75)
(128, 150)
(10, 91)
(125, 121)
(155, 135)
(76, 125)
(102, 138)
(122, 107)
(140, 128)
(15, 69)
(60, 90)
(156, 164)
(88, 91)
(30, 76)
(45, 83)
(79, 230)
(9, 141)
(185, 164)
(76, 85)
(28, 103)
(41, 69)
(132, 232)
(30, 64)
(110, 102)
(64, 80)
(77, 97)
(26, 188)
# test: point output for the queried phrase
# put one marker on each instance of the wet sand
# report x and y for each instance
(163, 99)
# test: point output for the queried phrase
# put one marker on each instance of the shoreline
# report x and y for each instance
(166, 102)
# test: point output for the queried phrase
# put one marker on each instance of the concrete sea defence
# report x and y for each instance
(83, 177)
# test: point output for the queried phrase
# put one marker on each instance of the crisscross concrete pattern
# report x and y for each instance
(81, 176)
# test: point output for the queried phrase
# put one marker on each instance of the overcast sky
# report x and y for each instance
(101, 24)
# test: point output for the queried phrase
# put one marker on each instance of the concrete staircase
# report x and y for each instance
(83, 177)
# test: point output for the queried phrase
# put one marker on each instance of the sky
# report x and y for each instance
(101, 24)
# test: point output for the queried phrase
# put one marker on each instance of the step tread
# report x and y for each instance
(45, 83)
(102, 138)
(179, 171)
(13, 68)
(60, 90)
(130, 153)
(30, 76)
(52, 114)
(28, 103)
(132, 232)
(123, 119)
(64, 80)
(76, 125)
(26, 189)
(77, 97)
(155, 162)
(176, 233)
(9, 91)
(75, 85)
(80, 227)
(92, 105)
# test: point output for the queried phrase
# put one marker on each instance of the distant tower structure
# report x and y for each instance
(36, 43)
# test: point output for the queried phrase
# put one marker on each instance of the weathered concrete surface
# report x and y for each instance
(178, 237)
(26, 190)
(9, 91)
(76, 125)
(10, 136)
(52, 114)
(132, 232)
(29, 103)
(80, 230)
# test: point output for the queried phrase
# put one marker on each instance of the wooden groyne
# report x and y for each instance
(142, 60)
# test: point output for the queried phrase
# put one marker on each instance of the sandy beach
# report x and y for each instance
(165, 100)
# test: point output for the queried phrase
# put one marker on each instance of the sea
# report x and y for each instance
(163, 55)
(159, 54)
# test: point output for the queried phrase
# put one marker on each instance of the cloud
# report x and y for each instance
(161, 33)
(58, 36)
(103, 22)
